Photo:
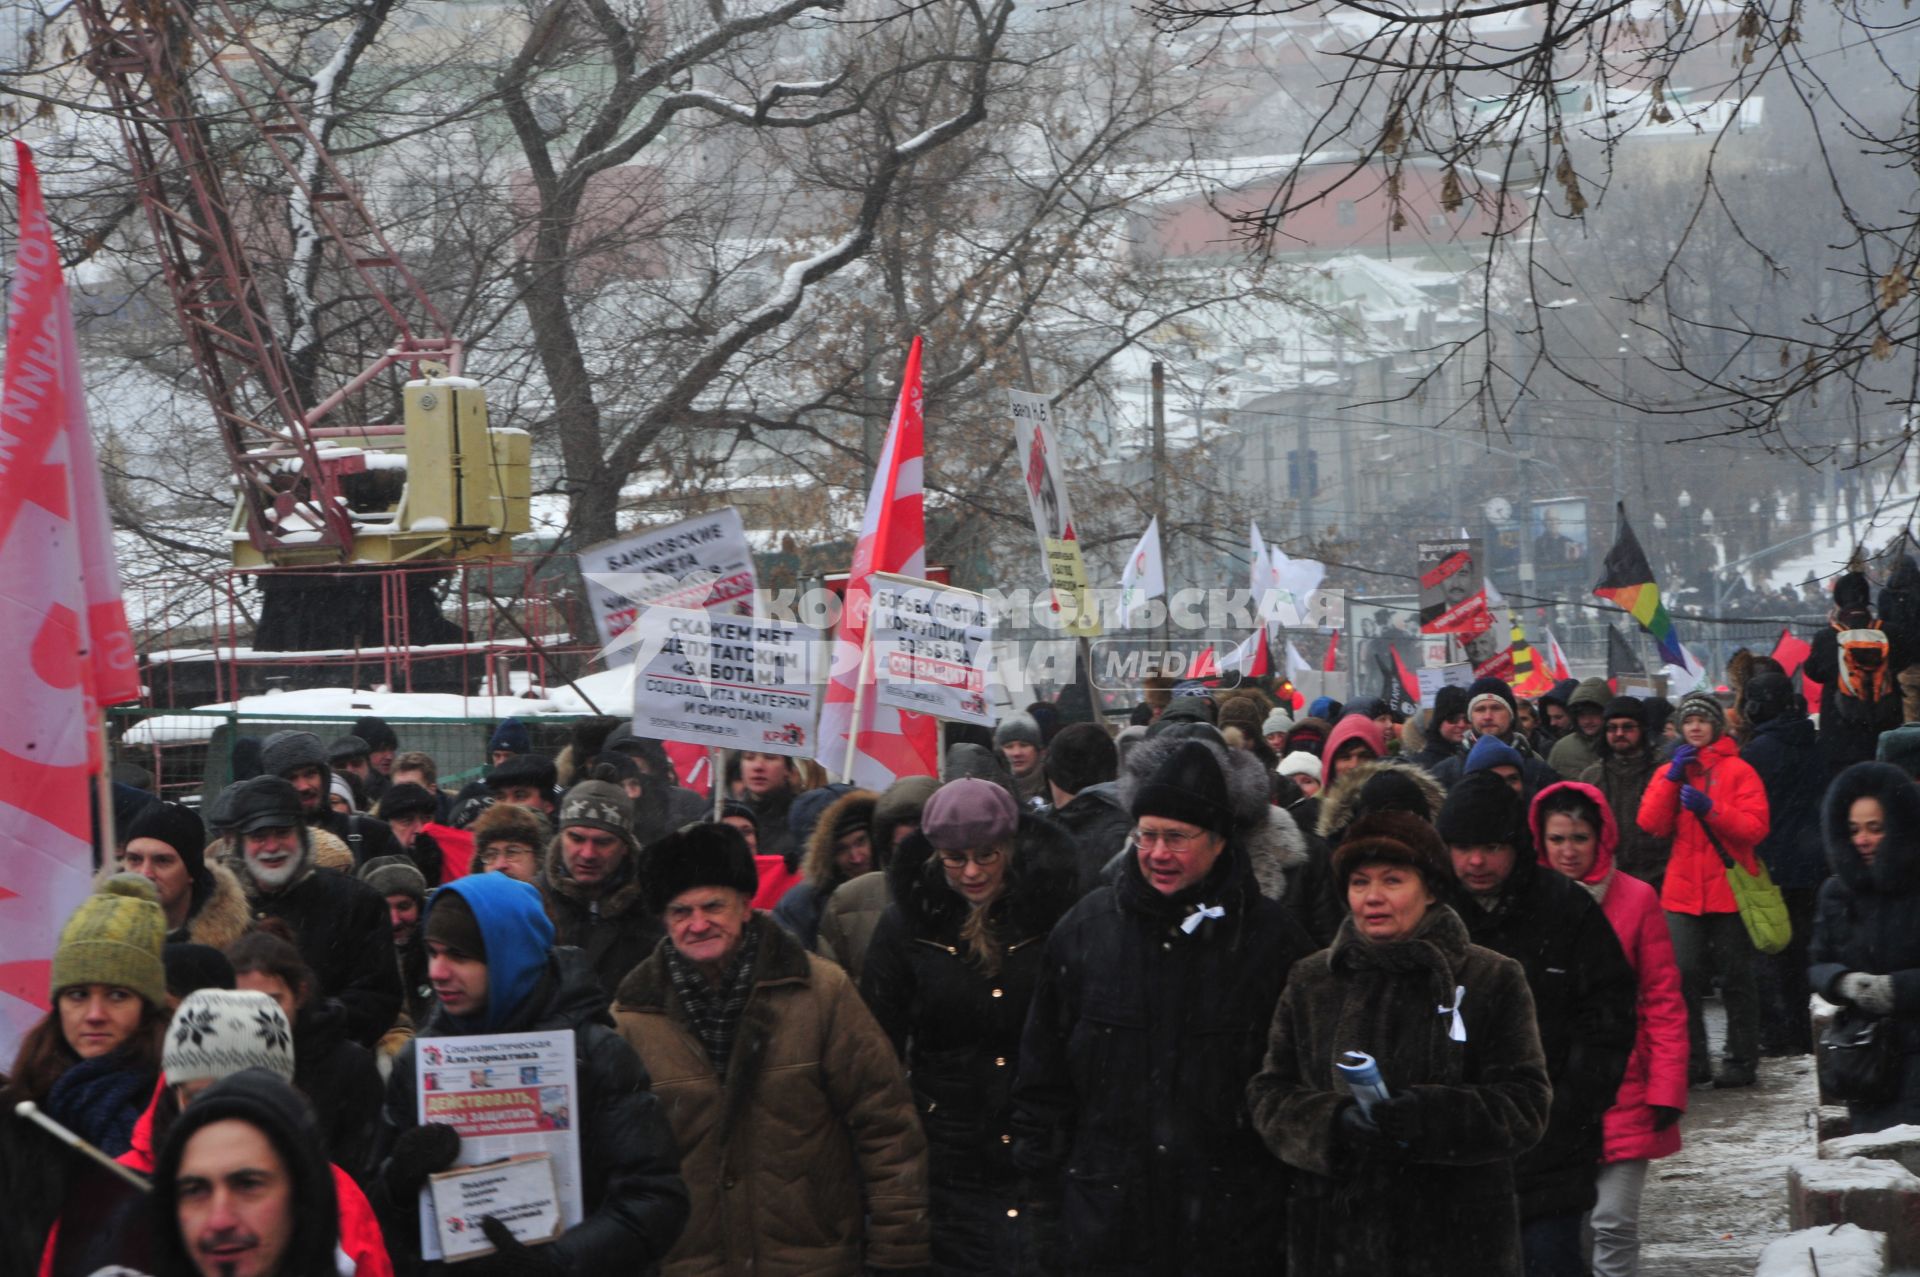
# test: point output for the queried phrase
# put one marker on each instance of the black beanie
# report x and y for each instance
(1766, 697)
(1449, 702)
(1483, 809)
(1393, 789)
(408, 799)
(1628, 707)
(1082, 755)
(450, 922)
(376, 733)
(1851, 590)
(1489, 685)
(705, 855)
(1188, 787)
(180, 828)
(192, 967)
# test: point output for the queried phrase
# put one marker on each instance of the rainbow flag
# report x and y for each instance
(1628, 581)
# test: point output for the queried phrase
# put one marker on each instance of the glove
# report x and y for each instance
(1360, 1134)
(1399, 1119)
(511, 1257)
(1677, 769)
(1695, 800)
(417, 1154)
(1871, 993)
(1663, 1117)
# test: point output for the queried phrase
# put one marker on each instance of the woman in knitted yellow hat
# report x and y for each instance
(93, 1061)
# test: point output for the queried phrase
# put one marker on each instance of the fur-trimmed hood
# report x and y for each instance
(1275, 848)
(1249, 785)
(1042, 884)
(1337, 803)
(223, 916)
(626, 896)
(1896, 866)
(817, 866)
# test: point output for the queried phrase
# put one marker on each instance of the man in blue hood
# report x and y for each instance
(495, 969)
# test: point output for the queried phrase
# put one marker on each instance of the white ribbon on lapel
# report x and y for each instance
(1191, 923)
(1458, 1030)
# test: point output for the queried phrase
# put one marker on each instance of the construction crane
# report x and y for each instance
(315, 488)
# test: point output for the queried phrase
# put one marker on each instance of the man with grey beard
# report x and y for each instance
(340, 925)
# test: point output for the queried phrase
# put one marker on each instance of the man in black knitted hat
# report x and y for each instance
(166, 844)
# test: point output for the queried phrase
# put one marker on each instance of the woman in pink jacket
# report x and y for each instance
(1575, 832)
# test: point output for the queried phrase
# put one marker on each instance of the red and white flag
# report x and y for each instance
(1251, 657)
(1331, 661)
(63, 629)
(1145, 576)
(1556, 658)
(888, 743)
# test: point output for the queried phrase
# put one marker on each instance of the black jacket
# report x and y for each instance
(1585, 997)
(957, 1027)
(1849, 727)
(341, 928)
(365, 836)
(1623, 781)
(1099, 824)
(1435, 752)
(1131, 1097)
(613, 927)
(1868, 917)
(340, 1080)
(635, 1202)
(1786, 754)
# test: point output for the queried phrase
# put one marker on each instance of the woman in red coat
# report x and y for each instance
(1575, 831)
(1709, 801)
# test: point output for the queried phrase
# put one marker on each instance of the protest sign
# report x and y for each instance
(1434, 677)
(1453, 597)
(1041, 465)
(728, 682)
(518, 1191)
(506, 1094)
(931, 649)
(698, 563)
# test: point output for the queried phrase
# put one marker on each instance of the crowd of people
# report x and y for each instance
(1233, 989)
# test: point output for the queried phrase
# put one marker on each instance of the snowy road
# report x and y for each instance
(1710, 1208)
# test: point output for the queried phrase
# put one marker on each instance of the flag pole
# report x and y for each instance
(859, 704)
(716, 770)
(103, 799)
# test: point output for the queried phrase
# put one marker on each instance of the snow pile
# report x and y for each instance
(343, 704)
(1896, 1143)
(1853, 1174)
(1845, 1251)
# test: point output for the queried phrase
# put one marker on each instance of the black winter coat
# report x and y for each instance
(1131, 1097)
(613, 927)
(1786, 754)
(367, 837)
(1099, 824)
(636, 1204)
(1868, 916)
(1585, 997)
(1447, 1207)
(1850, 728)
(341, 928)
(340, 1080)
(957, 1027)
(1623, 781)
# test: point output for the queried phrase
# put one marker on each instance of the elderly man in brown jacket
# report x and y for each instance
(798, 1137)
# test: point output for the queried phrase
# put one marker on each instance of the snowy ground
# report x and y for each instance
(1710, 1207)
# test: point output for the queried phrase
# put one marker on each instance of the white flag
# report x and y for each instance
(1145, 576)
(1294, 580)
(1261, 565)
(1296, 663)
(1683, 679)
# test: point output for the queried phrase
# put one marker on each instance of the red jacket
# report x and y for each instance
(360, 1237)
(1657, 1071)
(1696, 880)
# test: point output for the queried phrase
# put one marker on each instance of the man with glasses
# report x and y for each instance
(1150, 1015)
(1622, 775)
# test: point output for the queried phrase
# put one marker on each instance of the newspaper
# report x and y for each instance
(1363, 1078)
(506, 1094)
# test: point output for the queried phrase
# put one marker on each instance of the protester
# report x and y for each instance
(664, 804)
(301, 760)
(1491, 713)
(1307, 735)
(1421, 1182)
(1576, 834)
(509, 839)
(1866, 932)
(1275, 728)
(1141, 1147)
(1341, 805)
(510, 737)
(337, 1074)
(382, 745)
(348, 755)
(341, 926)
(525, 780)
(1712, 805)
(769, 786)
(241, 1186)
(1853, 661)
(1355, 739)
(593, 888)
(405, 889)
(496, 970)
(1584, 995)
(166, 844)
(796, 1130)
(1585, 743)
(1782, 750)
(1017, 737)
(1621, 777)
(91, 1062)
(840, 849)
(1445, 729)
(1083, 773)
(848, 920)
(416, 767)
(949, 977)
(408, 808)
(1492, 755)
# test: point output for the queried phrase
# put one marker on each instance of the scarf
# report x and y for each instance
(101, 1099)
(715, 1012)
(1415, 977)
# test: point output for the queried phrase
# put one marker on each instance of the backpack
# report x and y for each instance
(1865, 678)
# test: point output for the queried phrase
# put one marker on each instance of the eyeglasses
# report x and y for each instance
(960, 859)
(1174, 840)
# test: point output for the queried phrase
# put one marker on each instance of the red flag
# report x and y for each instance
(1408, 683)
(63, 632)
(691, 765)
(1333, 653)
(888, 743)
(1791, 651)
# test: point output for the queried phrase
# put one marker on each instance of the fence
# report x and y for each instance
(191, 754)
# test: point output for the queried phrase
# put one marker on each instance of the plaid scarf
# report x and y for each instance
(715, 1013)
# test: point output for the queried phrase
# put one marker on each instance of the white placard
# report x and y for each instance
(518, 1191)
(729, 682)
(1043, 475)
(1434, 677)
(699, 563)
(506, 1094)
(930, 649)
